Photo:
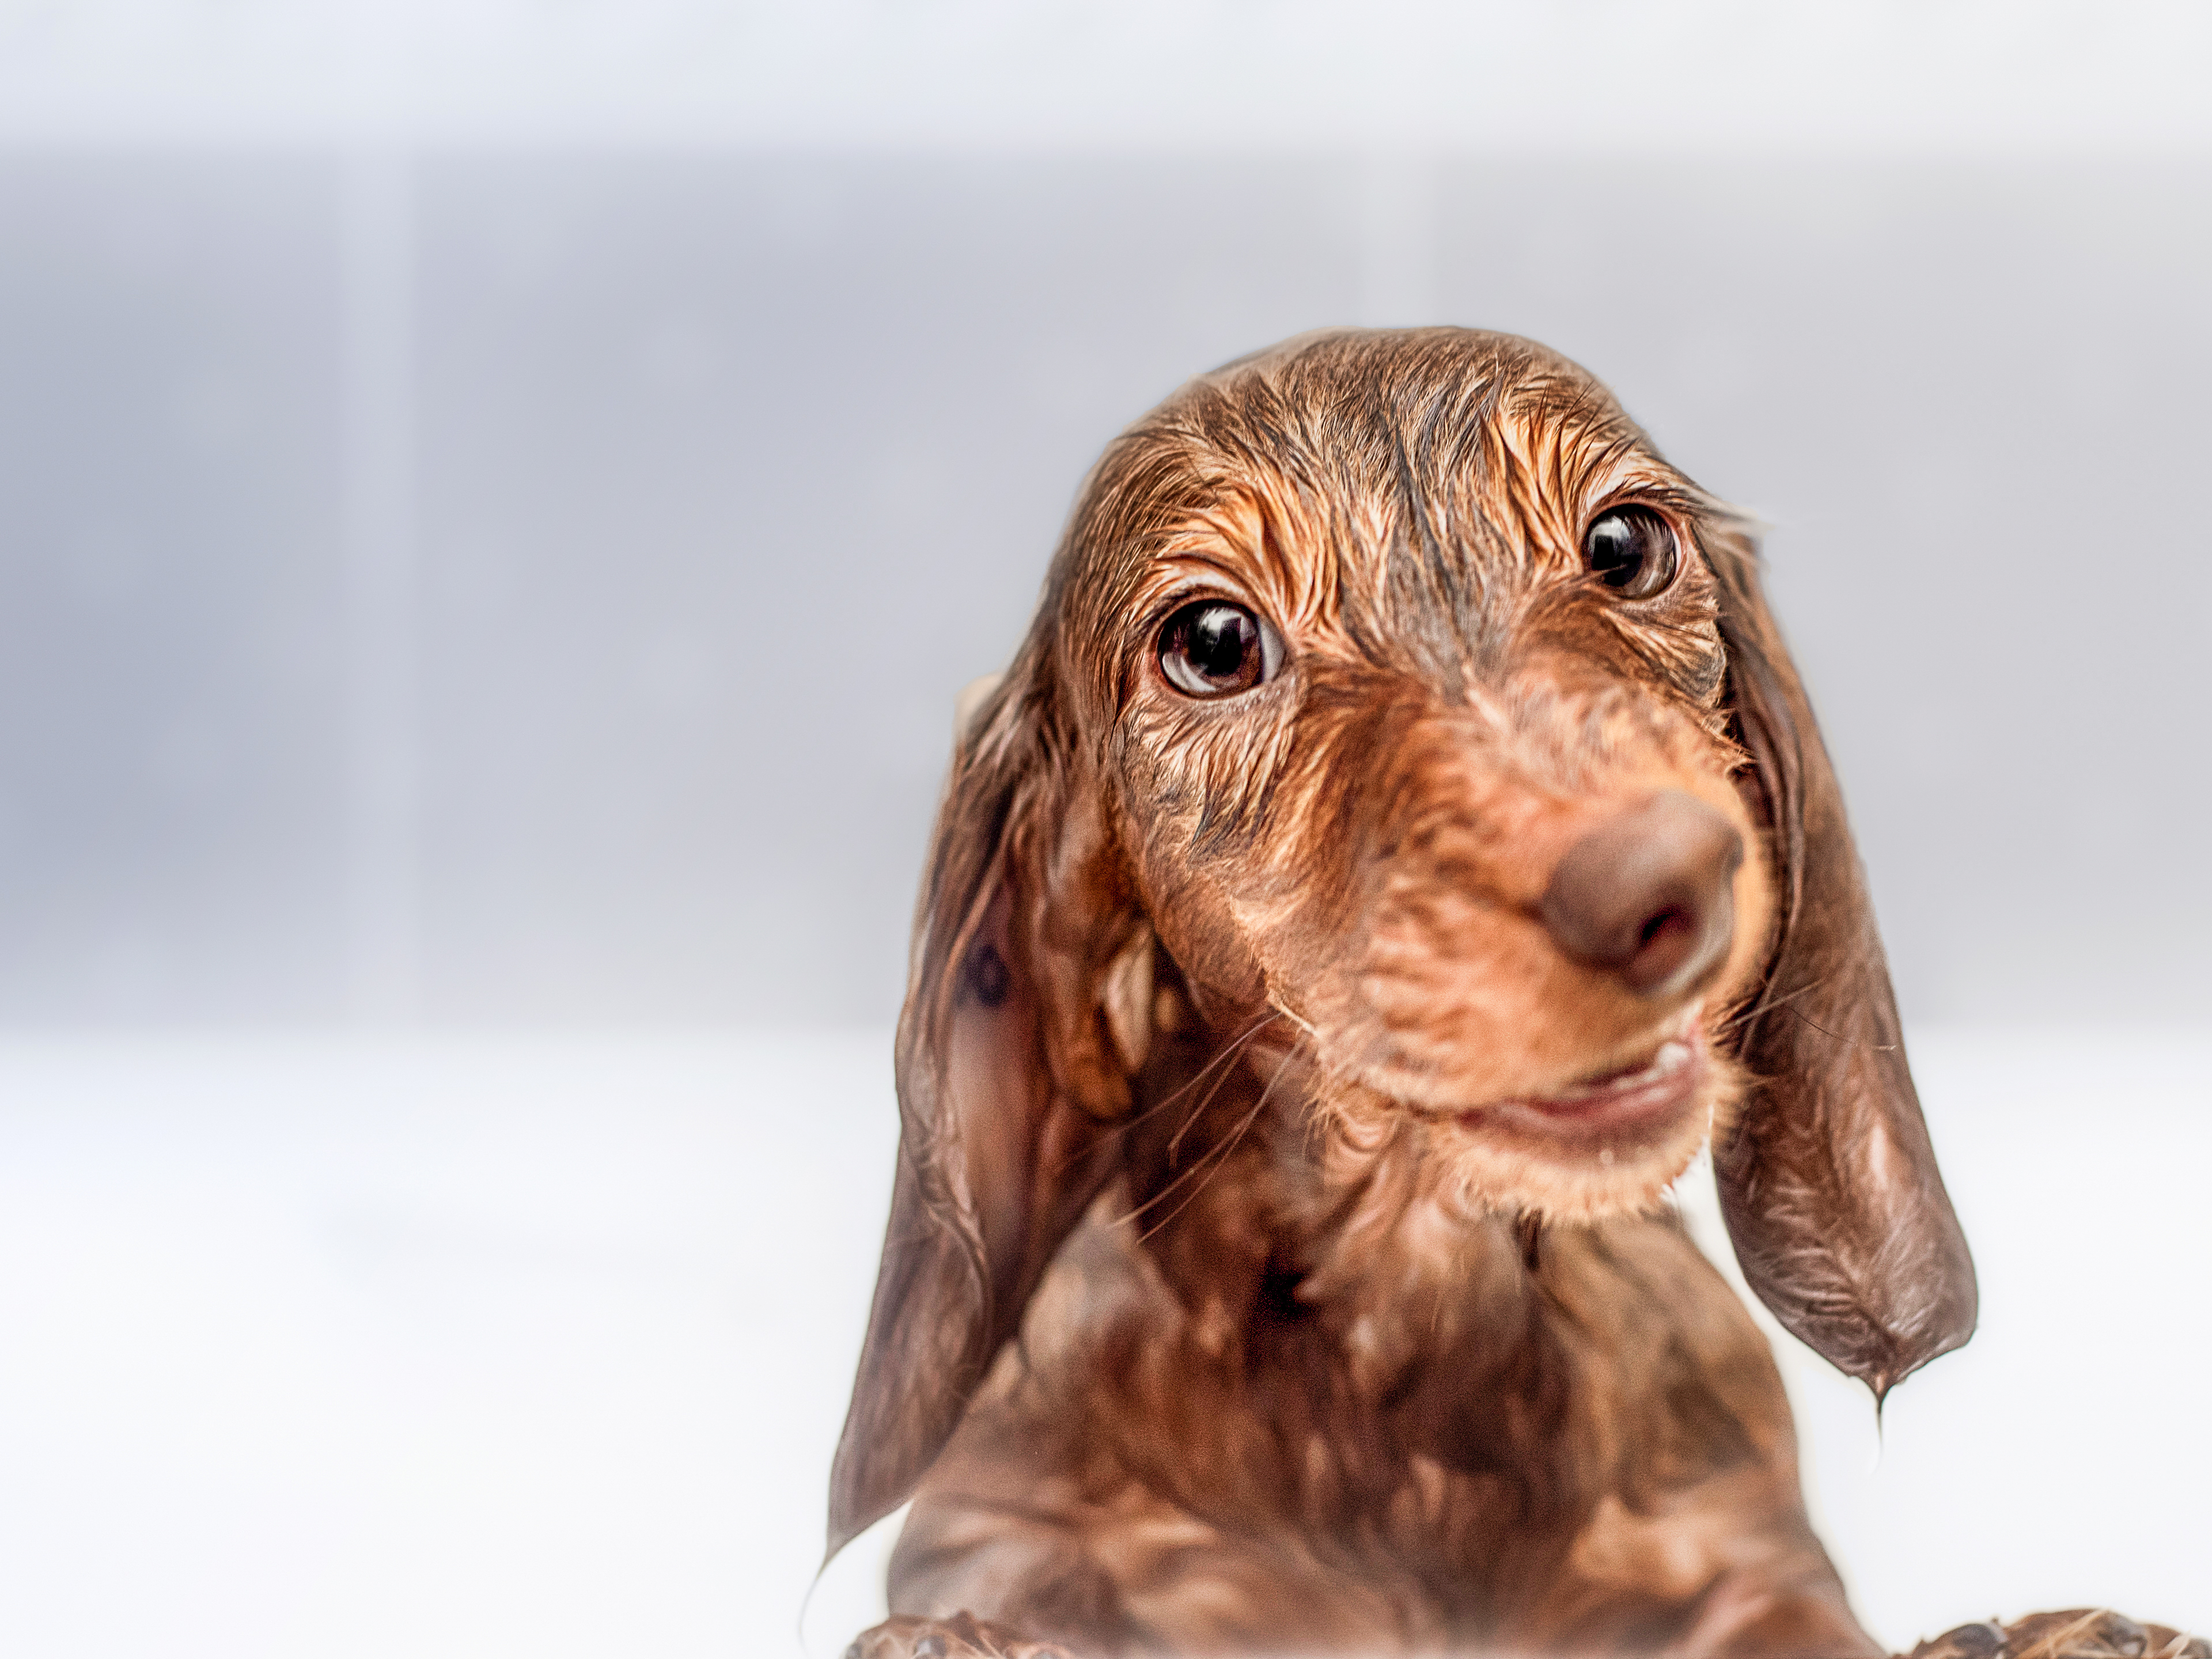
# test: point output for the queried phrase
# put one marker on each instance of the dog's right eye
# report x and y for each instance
(1217, 649)
(1631, 550)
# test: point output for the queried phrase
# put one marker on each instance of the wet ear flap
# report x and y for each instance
(1024, 1016)
(1829, 1184)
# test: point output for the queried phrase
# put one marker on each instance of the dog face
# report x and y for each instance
(1396, 720)
(1410, 719)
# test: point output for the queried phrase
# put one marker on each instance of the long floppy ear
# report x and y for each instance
(1009, 1071)
(1829, 1184)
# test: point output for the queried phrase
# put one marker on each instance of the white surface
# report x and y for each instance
(2059, 1458)
(538, 1347)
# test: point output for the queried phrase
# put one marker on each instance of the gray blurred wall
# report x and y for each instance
(532, 588)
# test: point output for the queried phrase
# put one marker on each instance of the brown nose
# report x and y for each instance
(1647, 895)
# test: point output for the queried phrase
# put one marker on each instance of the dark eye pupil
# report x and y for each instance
(1221, 637)
(1632, 550)
(1618, 549)
(1213, 648)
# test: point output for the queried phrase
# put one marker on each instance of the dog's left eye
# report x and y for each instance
(1631, 550)
(1217, 649)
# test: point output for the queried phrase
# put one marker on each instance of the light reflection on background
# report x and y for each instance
(528, 587)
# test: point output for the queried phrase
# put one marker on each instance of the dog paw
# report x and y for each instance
(2078, 1633)
(960, 1637)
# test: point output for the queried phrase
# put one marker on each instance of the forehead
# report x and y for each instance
(1382, 483)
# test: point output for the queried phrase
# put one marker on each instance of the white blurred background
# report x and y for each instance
(496, 499)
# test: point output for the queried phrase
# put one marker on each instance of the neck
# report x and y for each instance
(1268, 1216)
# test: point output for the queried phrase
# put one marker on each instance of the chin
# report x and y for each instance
(1609, 1143)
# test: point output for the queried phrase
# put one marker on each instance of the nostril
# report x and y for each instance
(1647, 895)
(1674, 947)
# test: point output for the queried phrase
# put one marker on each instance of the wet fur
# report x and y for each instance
(1228, 1304)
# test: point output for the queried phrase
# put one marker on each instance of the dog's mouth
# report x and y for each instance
(1649, 1092)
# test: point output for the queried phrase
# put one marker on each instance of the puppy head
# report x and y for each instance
(1398, 660)
(1391, 697)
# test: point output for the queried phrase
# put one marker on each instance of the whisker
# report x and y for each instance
(1226, 1053)
(1745, 1016)
(1767, 1002)
(1851, 1041)
(1219, 1156)
(1221, 1058)
(1174, 1145)
(1210, 1154)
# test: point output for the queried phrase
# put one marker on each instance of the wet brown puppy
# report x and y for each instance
(1400, 841)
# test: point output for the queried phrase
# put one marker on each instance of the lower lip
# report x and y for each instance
(1651, 1096)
